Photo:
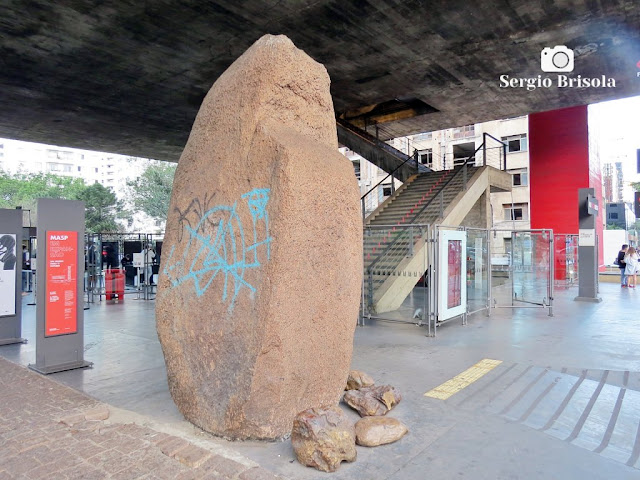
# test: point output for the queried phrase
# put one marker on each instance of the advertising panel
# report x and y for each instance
(61, 282)
(7, 275)
(452, 268)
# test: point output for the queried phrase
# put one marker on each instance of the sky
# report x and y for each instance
(618, 130)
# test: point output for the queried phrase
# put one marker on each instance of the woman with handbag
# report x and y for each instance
(631, 268)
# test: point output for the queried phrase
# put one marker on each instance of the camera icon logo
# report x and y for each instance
(556, 59)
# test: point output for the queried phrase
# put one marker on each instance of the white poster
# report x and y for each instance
(7, 274)
(452, 266)
(138, 260)
(586, 237)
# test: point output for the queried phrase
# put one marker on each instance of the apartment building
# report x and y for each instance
(111, 170)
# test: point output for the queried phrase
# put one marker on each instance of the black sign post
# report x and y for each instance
(587, 246)
(60, 276)
(11, 277)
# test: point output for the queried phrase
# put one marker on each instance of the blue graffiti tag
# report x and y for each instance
(224, 251)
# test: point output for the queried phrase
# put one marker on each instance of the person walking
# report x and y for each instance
(622, 265)
(631, 268)
(26, 270)
(149, 256)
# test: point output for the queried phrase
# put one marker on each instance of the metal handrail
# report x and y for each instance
(384, 146)
(414, 157)
(362, 199)
(370, 138)
(503, 146)
(497, 140)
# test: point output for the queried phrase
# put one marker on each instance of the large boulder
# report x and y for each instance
(323, 438)
(374, 431)
(261, 267)
(369, 401)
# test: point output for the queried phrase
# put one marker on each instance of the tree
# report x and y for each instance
(151, 192)
(101, 208)
(23, 190)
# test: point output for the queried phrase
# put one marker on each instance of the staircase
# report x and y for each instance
(393, 254)
(376, 151)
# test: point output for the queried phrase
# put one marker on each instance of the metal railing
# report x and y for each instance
(403, 241)
(370, 138)
(363, 198)
(488, 152)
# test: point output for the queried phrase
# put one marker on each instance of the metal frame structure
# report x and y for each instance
(434, 315)
(430, 235)
(94, 274)
(570, 240)
(417, 234)
(547, 302)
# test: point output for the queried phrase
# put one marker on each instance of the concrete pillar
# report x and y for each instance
(559, 165)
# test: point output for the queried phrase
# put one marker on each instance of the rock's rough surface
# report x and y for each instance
(358, 379)
(323, 438)
(374, 431)
(373, 400)
(262, 260)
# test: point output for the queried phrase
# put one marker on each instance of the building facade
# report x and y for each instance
(620, 216)
(110, 170)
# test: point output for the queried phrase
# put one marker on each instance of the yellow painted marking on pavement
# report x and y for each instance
(463, 379)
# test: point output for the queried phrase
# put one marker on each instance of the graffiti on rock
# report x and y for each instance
(216, 245)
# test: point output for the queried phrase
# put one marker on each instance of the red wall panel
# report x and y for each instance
(558, 167)
(559, 164)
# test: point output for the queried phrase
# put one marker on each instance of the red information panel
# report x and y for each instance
(454, 258)
(62, 288)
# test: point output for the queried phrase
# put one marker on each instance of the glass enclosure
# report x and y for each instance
(477, 269)
(531, 264)
(566, 260)
(428, 275)
(395, 286)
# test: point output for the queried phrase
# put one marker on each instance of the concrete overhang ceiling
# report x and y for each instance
(128, 77)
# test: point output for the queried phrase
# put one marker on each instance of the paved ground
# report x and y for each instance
(564, 403)
(51, 431)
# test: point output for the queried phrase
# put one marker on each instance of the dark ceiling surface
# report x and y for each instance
(128, 76)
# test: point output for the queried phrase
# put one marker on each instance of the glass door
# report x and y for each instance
(531, 267)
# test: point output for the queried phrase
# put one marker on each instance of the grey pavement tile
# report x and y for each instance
(172, 445)
(20, 464)
(128, 445)
(224, 466)
(192, 456)
(152, 459)
(257, 473)
(84, 471)
(131, 473)
(169, 470)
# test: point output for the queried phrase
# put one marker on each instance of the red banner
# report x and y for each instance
(454, 260)
(62, 283)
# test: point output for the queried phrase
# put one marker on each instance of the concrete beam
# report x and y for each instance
(129, 77)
